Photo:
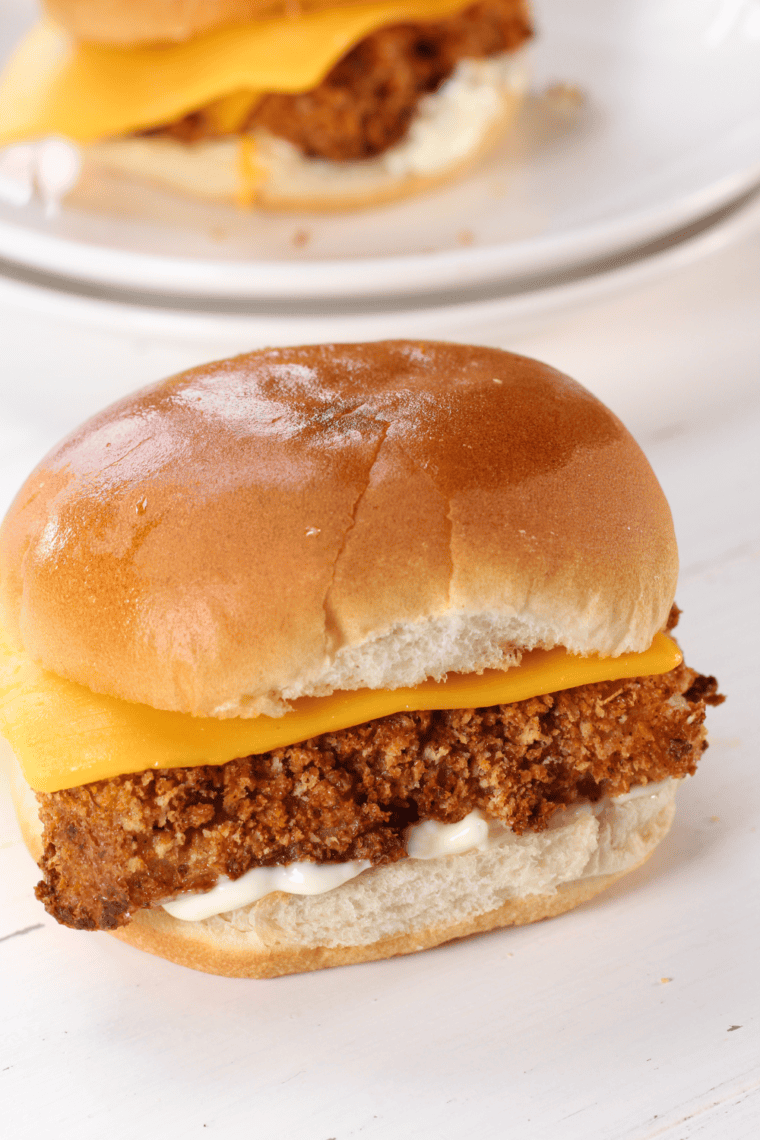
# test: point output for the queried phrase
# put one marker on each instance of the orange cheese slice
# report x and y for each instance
(65, 735)
(88, 92)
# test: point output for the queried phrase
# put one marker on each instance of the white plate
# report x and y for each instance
(668, 131)
(140, 341)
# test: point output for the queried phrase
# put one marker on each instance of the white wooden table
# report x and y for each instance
(632, 1018)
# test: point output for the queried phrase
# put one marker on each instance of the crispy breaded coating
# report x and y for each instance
(134, 841)
(365, 103)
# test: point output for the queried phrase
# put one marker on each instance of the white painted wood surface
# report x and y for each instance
(632, 1018)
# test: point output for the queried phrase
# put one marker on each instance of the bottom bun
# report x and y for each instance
(254, 956)
(413, 904)
(452, 128)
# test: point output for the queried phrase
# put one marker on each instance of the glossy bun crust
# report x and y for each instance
(161, 21)
(301, 520)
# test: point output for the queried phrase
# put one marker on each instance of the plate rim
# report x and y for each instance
(333, 278)
(742, 223)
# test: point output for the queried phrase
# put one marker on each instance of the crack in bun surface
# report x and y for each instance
(301, 520)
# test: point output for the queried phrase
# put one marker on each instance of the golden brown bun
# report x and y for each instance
(280, 934)
(163, 21)
(303, 520)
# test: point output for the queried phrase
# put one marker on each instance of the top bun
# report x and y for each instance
(301, 520)
(161, 21)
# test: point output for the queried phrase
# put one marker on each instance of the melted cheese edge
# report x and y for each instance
(87, 92)
(64, 735)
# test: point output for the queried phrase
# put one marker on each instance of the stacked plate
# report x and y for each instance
(638, 150)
